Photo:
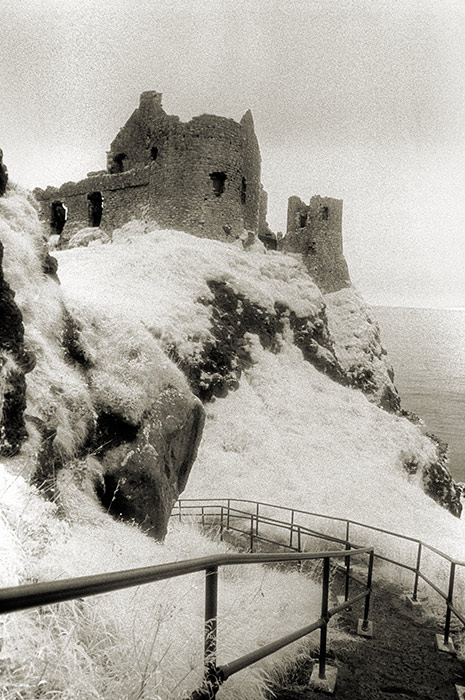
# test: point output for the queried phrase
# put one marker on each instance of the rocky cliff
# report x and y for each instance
(107, 382)
(97, 384)
(211, 305)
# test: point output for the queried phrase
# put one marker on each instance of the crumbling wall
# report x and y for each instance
(315, 231)
(202, 176)
(125, 197)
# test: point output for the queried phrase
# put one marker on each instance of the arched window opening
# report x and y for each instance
(303, 219)
(244, 190)
(218, 180)
(95, 208)
(58, 216)
(325, 213)
(118, 163)
(154, 153)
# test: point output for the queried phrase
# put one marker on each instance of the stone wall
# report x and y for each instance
(125, 197)
(202, 176)
(315, 231)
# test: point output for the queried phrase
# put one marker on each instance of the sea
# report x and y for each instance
(427, 350)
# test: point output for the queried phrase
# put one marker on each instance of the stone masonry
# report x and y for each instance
(315, 231)
(202, 177)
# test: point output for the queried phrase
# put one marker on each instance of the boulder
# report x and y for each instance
(144, 475)
(87, 236)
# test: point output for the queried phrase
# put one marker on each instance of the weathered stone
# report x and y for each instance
(202, 176)
(315, 231)
(145, 473)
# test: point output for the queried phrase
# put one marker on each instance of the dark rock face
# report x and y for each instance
(50, 265)
(48, 461)
(146, 467)
(12, 424)
(71, 341)
(438, 482)
(218, 369)
(312, 337)
(3, 175)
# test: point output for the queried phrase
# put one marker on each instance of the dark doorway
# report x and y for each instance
(154, 153)
(302, 219)
(58, 216)
(218, 180)
(95, 208)
(325, 213)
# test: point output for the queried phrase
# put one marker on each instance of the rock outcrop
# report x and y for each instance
(98, 383)
(143, 476)
(218, 367)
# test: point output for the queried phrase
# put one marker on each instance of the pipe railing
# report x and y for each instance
(27, 596)
(255, 510)
(258, 523)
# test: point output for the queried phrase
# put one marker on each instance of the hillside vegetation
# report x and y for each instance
(157, 363)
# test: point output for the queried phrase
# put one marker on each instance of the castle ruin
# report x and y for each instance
(203, 177)
(315, 231)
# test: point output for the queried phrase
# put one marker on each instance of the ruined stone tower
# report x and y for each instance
(315, 231)
(202, 176)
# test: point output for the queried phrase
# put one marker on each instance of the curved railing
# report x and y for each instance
(258, 522)
(32, 595)
(226, 510)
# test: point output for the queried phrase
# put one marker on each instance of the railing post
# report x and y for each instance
(347, 575)
(203, 516)
(256, 522)
(221, 523)
(368, 596)
(180, 511)
(227, 514)
(211, 611)
(292, 528)
(450, 597)
(324, 617)
(417, 573)
(251, 533)
(299, 545)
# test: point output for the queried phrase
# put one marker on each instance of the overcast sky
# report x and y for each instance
(362, 100)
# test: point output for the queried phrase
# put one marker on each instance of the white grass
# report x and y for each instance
(356, 335)
(140, 643)
(287, 435)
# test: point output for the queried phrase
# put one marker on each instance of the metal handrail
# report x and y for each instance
(31, 595)
(23, 597)
(291, 525)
